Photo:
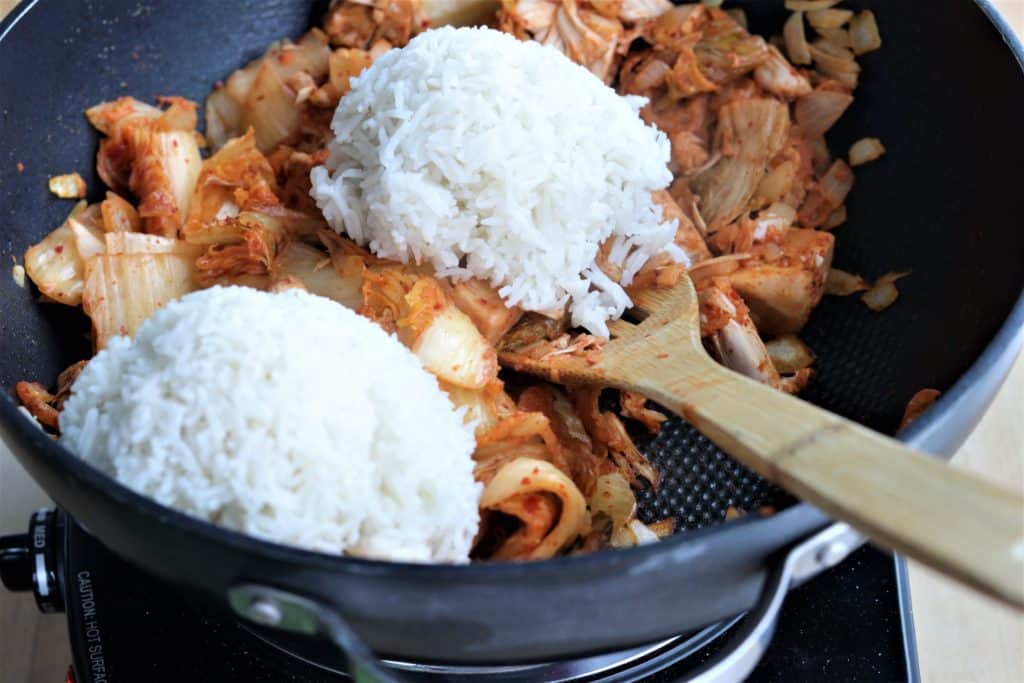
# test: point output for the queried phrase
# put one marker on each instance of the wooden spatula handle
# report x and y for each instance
(901, 499)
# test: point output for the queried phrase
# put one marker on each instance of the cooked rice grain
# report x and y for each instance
(285, 416)
(489, 157)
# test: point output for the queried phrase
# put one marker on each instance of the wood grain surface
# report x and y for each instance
(962, 636)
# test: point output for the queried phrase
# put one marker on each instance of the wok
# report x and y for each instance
(945, 94)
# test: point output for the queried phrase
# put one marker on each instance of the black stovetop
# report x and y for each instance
(847, 624)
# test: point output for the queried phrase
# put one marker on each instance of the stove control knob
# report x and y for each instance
(28, 562)
(16, 562)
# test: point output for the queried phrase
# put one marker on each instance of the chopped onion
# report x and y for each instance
(789, 354)
(809, 5)
(830, 49)
(881, 296)
(864, 34)
(883, 293)
(828, 18)
(865, 150)
(837, 36)
(18, 274)
(68, 186)
(836, 218)
(840, 283)
(836, 183)
(835, 61)
(796, 39)
(776, 184)
(817, 111)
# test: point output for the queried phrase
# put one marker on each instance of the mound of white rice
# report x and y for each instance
(491, 157)
(285, 416)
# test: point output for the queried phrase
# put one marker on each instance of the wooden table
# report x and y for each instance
(962, 636)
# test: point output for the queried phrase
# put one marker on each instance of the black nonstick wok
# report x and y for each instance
(946, 96)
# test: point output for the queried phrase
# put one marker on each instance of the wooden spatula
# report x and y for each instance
(899, 498)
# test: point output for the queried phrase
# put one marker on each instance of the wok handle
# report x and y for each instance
(289, 612)
(899, 498)
(739, 656)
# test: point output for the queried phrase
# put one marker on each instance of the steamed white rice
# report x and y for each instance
(285, 416)
(487, 156)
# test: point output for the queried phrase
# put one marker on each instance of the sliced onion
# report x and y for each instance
(796, 39)
(68, 186)
(837, 182)
(809, 5)
(776, 184)
(818, 111)
(830, 49)
(840, 283)
(18, 275)
(864, 34)
(828, 18)
(883, 293)
(865, 150)
(880, 296)
(789, 354)
(830, 61)
(839, 37)
(836, 218)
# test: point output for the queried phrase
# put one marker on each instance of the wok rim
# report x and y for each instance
(1001, 350)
